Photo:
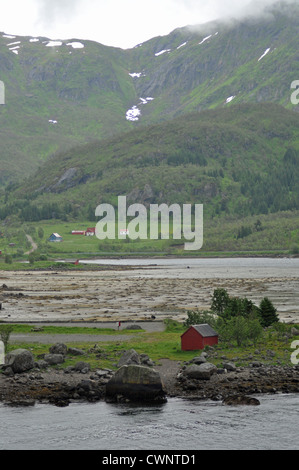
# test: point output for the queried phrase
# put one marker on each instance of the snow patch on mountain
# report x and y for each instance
(230, 98)
(205, 39)
(162, 52)
(265, 53)
(182, 45)
(76, 45)
(54, 43)
(137, 74)
(13, 43)
(146, 100)
(133, 114)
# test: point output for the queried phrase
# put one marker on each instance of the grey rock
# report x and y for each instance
(53, 359)
(19, 360)
(133, 327)
(75, 352)
(82, 367)
(135, 383)
(200, 372)
(129, 357)
(199, 360)
(58, 348)
(240, 400)
(230, 366)
(42, 364)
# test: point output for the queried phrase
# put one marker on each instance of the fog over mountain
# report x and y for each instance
(122, 24)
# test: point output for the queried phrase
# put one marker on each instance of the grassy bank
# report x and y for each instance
(265, 235)
(273, 348)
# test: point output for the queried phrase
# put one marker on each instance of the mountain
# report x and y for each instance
(61, 95)
(238, 161)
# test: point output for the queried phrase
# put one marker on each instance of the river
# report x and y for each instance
(178, 424)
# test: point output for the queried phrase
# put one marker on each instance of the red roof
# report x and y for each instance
(204, 330)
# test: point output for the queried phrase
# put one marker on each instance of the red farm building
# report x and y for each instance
(198, 336)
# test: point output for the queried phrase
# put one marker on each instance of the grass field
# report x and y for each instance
(278, 234)
(165, 345)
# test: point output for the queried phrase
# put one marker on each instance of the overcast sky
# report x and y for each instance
(120, 23)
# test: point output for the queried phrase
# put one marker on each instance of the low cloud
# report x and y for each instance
(50, 12)
(237, 9)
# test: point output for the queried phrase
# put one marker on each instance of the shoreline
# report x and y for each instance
(60, 388)
(137, 293)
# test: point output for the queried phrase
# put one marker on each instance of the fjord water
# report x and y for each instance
(178, 424)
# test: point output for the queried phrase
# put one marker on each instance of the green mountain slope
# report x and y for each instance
(59, 94)
(238, 161)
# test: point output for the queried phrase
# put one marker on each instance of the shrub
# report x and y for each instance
(197, 318)
(267, 313)
(8, 259)
(5, 331)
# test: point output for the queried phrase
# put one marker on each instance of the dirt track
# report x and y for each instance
(88, 338)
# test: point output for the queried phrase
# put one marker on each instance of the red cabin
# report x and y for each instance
(198, 336)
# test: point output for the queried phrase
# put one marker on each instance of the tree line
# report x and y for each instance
(236, 318)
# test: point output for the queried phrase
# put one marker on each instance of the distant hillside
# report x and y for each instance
(238, 161)
(63, 94)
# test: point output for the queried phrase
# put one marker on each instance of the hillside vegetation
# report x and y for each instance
(240, 161)
(59, 94)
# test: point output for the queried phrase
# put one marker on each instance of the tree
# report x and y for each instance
(220, 301)
(228, 307)
(267, 313)
(235, 329)
(40, 232)
(5, 331)
(197, 318)
(241, 329)
(8, 259)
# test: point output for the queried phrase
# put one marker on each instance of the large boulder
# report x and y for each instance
(19, 360)
(136, 383)
(203, 371)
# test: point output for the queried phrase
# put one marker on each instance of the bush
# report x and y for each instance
(295, 249)
(5, 331)
(198, 318)
(8, 259)
(228, 307)
(241, 330)
(220, 301)
(267, 313)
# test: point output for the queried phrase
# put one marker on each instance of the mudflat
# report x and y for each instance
(110, 293)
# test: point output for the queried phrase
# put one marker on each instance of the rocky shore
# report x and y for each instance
(198, 380)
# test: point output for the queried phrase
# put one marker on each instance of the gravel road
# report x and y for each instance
(43, 338)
